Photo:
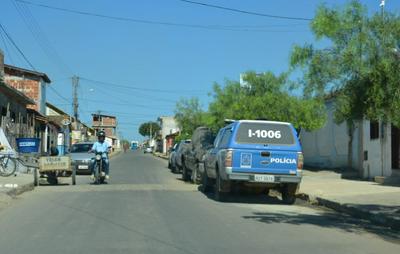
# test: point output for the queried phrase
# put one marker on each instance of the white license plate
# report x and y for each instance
(83, 166)
(264, 178)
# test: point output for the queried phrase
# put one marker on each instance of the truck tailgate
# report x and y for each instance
(264, 161)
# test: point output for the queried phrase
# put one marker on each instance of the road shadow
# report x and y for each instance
(327, 219)
(244, 198)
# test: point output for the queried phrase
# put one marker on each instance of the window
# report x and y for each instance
(225, 138)
(374, 130)
(217, 139)
(265, 133)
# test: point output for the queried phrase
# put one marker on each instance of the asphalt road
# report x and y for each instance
(147, 209)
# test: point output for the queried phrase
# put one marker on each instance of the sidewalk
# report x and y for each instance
(161, 155)
(362, 199)
(14, 185)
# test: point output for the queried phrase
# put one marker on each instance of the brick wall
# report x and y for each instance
(30, 88)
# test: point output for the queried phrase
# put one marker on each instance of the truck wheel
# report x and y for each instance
(221, 188)
(36, 176)
(185, 174)
(289, 193)
(205, 183)
(73, 176)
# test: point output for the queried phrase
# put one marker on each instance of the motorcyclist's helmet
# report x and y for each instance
(101, 134)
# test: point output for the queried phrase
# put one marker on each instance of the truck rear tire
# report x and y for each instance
(222, 188)
(289, 193)
(185, 173)
(205, 183)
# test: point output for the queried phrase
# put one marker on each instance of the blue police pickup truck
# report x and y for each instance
(256, 154)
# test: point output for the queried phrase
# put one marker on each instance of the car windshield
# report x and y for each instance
(81, 148)
(264, 133)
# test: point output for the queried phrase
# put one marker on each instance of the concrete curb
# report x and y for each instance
(376, 218)
(161, 156)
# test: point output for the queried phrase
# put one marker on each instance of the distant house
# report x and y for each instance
(168, 126)
(375, 146)
(108, 124)
(30, 85)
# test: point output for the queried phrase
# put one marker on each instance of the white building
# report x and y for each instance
(168, 126)
(375, 147)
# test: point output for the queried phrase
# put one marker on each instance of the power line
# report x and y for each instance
(40, 37)
(6, 47)
(15, 45)
(244, 11)
(59, 95)
(138, 88)
(138, 95)
(126, 104)
(142, 21)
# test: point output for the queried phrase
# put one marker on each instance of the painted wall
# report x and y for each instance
(328, 146)
(168, 126)
(379, 162)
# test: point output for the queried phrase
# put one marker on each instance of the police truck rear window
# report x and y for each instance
(264, 133)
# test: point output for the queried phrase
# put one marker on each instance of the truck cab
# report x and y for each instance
(254, 153)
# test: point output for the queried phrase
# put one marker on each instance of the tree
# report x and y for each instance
(189, 115)
(359, 67)
(265, 96)
(149, 129)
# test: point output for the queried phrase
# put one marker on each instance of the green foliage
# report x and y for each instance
(264, 96)
(360, 65)
(145, 129)
(189, 115)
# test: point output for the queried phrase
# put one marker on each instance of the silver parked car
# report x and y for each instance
(80, 158)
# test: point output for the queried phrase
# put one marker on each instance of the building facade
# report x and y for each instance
(109, 125)
(168, 126)
(375, 147)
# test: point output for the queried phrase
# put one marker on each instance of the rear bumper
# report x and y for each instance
(249, 177)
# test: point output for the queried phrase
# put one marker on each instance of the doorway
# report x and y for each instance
(395, 148)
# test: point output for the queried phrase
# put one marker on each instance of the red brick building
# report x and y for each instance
(31, 83)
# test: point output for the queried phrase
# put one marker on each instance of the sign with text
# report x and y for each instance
(52, 163)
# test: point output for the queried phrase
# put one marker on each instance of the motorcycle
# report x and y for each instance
(99, 174)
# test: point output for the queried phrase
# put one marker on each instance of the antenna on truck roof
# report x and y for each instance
(228, 121)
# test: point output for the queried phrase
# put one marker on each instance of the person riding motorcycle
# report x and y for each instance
(101, 146)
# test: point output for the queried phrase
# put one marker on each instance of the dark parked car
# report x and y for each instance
(80, 158)
(255, 154)
(184, 146)
(202, 140)
(171, 157)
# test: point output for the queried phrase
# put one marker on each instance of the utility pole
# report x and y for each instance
(151, 131)
(382, 5)
(75, 105)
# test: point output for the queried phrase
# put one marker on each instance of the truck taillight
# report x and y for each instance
(228, 158)
(300, 161)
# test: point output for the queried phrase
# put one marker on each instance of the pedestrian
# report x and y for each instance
(125, 147)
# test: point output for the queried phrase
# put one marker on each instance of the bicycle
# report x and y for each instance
(8, 165)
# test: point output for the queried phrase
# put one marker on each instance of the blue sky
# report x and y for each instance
(165, 63)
